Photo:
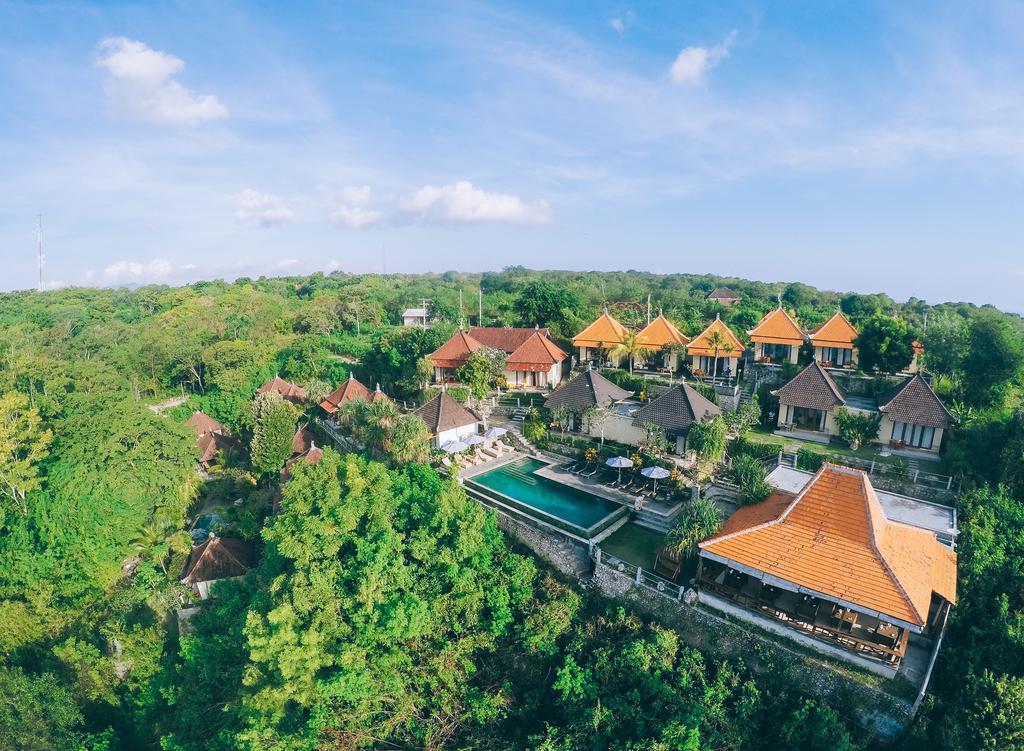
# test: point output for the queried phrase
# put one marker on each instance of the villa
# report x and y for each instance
(447, 420)
(597, 340)
(214, 560)
(416, 317)
(211, 438)
(675, 412)
(828, 567)
(703, 352)
(585, 392)
(913, 418)
(723, 296)
(834, 342)
(285, 389)
(532, 359)
(663, 343)
(777, 338)
(351, 390)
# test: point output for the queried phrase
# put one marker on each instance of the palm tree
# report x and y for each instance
(631, 347)
(717, 342)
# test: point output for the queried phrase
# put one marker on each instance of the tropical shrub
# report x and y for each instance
(749, 473)
(857, 428)
(698, 520)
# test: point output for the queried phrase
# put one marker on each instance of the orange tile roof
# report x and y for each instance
(604, 332)
(346, 392)
(660, 333)
(917, 347)
(506, 339)
(698, 345)
(454, 352)
(835, 332)
(286, 389)
(833, 539)
(778, 327)
(536, 354)
(202, 424)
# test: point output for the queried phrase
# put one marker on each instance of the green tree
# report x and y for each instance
(699, 520)
(24, 445)
(273, 432)
(37, 713)
(813, 727)
(885, 344)
(995, 356)
(482, 371)
(946, 343)
(708, 438)
(857, 428)
(750, 474)
(541, 303)
(631, 348)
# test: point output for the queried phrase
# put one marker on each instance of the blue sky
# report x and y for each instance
(852, 146)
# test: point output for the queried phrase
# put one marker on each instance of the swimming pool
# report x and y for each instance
(582, 512)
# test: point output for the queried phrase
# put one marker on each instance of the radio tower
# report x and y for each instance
(39, 240)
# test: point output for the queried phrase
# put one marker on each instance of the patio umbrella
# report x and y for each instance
(619, 462)
(493, 433)
(454, 447)
(474, 440)
(655, 473)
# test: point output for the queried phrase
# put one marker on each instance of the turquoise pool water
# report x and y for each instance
(517, 481)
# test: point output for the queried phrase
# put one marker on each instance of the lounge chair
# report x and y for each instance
(591, 473)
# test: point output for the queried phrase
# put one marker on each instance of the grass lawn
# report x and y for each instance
(634, 544)
(867, 453)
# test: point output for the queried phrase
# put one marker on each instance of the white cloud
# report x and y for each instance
(262, 209)
(463, 202)
(620, 24)
(693, 63)
(352, 207)
(140, 83)
(138, 272)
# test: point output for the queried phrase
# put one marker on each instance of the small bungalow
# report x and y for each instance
(203, 424)
(777, 338)
(597, 340)
(703, 353)
(286, 389)
(214, 560)
(835, 342)
(584, 392)
(828, 565)
(675, 412)
(663, 342)
(532, 359)
(447, 420)
(807, 402)
(416, 317)
(350, 390)
(723, 296)
(913, 417)
(211, 438)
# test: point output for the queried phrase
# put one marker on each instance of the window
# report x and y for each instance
(837, 356)
(918, 436)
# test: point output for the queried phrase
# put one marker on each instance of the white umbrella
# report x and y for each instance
(474, 440)
(655, 473)
(495, 432)
(619, 462)
(454, 447)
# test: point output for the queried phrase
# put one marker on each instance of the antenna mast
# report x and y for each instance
(39, 248)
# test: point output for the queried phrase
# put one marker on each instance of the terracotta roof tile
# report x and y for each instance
(777, 327)
(915, 402)
(834, 539)
(217, 558)
(660, 333)
(508, 340)
(699, 344)
(286, 389)
(537, 353)
(837, 331)
(454, 352)
(346, 392)
(202, 424)
(811, 388)
(604, 332)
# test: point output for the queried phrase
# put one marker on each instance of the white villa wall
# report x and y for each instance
(620, 428)
(885, 434)
(455, 434)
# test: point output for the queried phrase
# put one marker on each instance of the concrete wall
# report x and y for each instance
(455, 434)
(620, 428)
(568, 558)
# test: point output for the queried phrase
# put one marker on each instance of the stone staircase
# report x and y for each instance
(651, 520)
(747, 391)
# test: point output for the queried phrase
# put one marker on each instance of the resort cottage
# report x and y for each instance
(777, 338)
(285, 389)
(723, 296)
(351, 390)
(447, 420)
(703, 352)
(583, 394)
(597, 340)
(913, 418)
(532, 359)
(210, 438)
(827, 565)
(214, 560)
(663, 344)
(415, 317)
(674, 413)
(834, 342)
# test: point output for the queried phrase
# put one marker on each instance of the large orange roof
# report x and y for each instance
(835, 332)
(778, 327)
(699, 344)
(454, 352)
(348, 391)
(603, 332)
(834, 540)
(660, 333)
(538, 353)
